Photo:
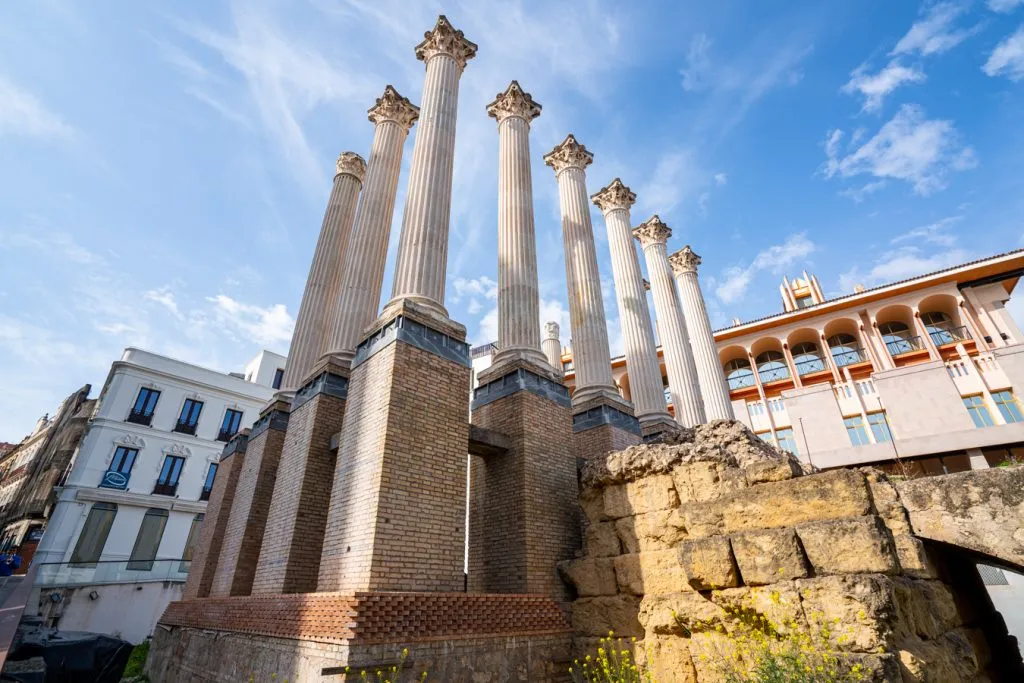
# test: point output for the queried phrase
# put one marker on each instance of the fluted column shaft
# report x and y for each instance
(645, 386)
(423, 246)
(682, 373)
(713, 388)
(590, 350)
(363, 274)
(318, 312)
(552, 347)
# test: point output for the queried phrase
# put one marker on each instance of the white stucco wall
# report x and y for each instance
(108, 611)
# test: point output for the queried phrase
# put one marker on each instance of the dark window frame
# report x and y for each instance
(230, 424)
(278, 378)
(170, 475)
(117, 466)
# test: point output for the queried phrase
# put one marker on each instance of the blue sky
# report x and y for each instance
(164, 170)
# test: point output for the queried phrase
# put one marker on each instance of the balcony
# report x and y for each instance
(768, 375)
(185, 428)
(114, 480)
(809, 366)
(205, 494)
(52, 574)
(741, 381)
(903, 345)
(951, 335)
(140, 418)
(225, 435)
(165, 489)
(849, 357)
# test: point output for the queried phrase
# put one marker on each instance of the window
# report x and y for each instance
(145, 404)
(148, 540)
(229, 427)
(1008, 406)
(208, 484)
(567, 366)
(845, 349)
(941, 329)
(978, 410)
(189, 417)
(898, 339)
(167, 482)
(755, 408)
(190, 543)
(807, 359)
(786, 440)
(879, 424)
(855, 428)
(766, 437)
(739, 374)
(120, 470)
(776, 405)
(804, 301)
(278, 376)
(771, 366)
(94, 535)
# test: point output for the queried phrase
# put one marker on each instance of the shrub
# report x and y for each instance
(612, 663)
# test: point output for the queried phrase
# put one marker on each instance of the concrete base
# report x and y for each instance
(451, 636)
(602, 425)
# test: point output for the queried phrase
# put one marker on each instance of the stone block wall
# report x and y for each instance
(680, 535)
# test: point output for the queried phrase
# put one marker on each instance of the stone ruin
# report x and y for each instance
(678, 532)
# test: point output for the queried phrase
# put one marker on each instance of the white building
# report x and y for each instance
(118, 543)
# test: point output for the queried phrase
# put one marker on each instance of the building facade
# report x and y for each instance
(128, 516)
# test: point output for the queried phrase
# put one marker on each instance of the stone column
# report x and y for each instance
(518, 291)
(634, 317)
(423, 246)
(552, 346)
(713, 388)
(363, 273)
(595, 402)
(682, 372)
(317, 312)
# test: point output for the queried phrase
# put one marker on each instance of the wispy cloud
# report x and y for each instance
(776, 259)
(875, 87)
(936, 31)
(905, 262)
(1004, 6)
(909, 147)
(1007, 59)
(859, 194)
(21, 113)
(268, 326)
(933, 233)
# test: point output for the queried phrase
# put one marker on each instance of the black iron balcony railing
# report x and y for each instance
(951, 335)
(904, 345)
(114, 480)
(225, 435)
(741, 381)
(849, 357)
(140, 418)
(205, 494)
(165, 489)
(772, 374)
(809, 365)
(185, 428)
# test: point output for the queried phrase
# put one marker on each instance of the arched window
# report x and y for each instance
(771, 366)
(845, 349)
(739, 374)
(806, 358)
(941, 329)
(898, 339)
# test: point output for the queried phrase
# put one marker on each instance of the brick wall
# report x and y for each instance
(211, 533)
(526, 504)
(289, 560)
(397, 508)
(600, 441)
(244, 533)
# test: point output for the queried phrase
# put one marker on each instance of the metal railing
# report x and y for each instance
(951, 335)
(772, 374)
(140, 418)
(225, 435)
(741, 381)
(806, 367)
(205, 494)
(165, 489)
(185, 428)
(904, 345)
(111, 571)
(850, 357)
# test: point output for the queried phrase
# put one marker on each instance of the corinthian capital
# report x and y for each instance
(568, 154)
(445, 39)
(652, 231)
(513, 102)
(393, 107)
(614, 196)
(684, 261)
(352, 164)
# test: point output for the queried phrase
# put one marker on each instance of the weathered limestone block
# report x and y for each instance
(601, 540)
(863, 604)
(598, 616)
(768, 556)
(778, 603)
(887, 501)
(592, 502)
(709, 563)
(848, 546)
(926, 608)
(709, 480)
(767, 471)
(638, 497)
(650, 573)
(667, 659)
(949, 658)
(678, 613)
(702, 519)
(913, 557)
(658, 530)
(591, 577)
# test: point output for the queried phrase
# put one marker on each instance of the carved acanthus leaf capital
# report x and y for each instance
(684, 261)
(352, 164)
(652, 231)
(514, 102)
(393, 107)
(445, 39)
(568, 154)
(551, 330)
(614, 196)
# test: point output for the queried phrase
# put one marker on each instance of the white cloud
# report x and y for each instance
(266, 326)
(480, 286)
(1004, 6)
(775, 259)
(677, 177)
(22, 114)
(901, 264)
(935, 32)
(934, 233)
(1007, 58)
(721, 179)
(875, 87)
(909, 147)
(697, 72)
(60, 244)
(858, 194)
(165, 297)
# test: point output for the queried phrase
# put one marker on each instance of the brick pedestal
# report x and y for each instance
(602, 425)
(289, 560)
(244, 533)
(652, 429)
(524, 501)
(218, 509)
(397, 511)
